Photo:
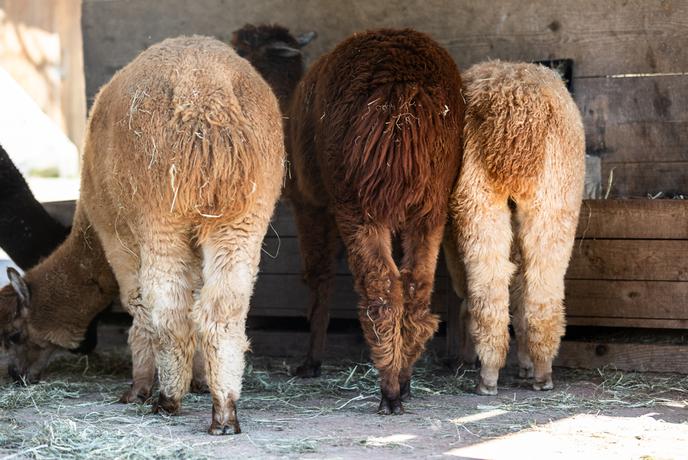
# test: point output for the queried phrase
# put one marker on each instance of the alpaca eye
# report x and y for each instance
(15, 338)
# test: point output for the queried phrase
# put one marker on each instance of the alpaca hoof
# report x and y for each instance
(543, 384)
(225, 420)
(390, 406)
(166, 405)
(308, 370)
(486, 390)
(220, 430)
(135, 396)
(199, 387)
(405, 390)
(525, 372)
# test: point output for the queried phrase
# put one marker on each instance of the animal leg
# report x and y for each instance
(421, 245)
(518, 319)
(318, 240)
(546, 239)
(167, 287)
(484, 233)
(143, 364)
(125, 266)
(380, 308)
(457, 273)
(230, 263)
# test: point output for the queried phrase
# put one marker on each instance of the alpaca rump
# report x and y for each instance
(374, 135)
(183, 164)
(524, 142)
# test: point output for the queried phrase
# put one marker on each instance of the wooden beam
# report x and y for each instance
(641, 260)
(633, 219)
(640, 357)
(627, 299)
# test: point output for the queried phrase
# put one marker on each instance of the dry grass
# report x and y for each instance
(75, 414)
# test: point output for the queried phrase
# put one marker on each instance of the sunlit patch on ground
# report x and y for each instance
(588, 436)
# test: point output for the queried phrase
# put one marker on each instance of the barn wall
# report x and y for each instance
(630, 80)
(630, 57)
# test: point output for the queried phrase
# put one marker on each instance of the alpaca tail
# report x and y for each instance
(389, 151)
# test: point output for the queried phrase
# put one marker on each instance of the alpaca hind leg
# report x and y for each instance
(457, 272)
(125, 266)
(318, 241)
(230, 263)
(546, 239)
(166, 286)
(485, 238)
(518, 320)
(143, 364)
(421, 244)
(380, 308)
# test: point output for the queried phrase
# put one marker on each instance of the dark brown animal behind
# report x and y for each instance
(374, 138)
(395, 105)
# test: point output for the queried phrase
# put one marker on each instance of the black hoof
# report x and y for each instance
(390, 406)
(166, 405)
(405, 390)
(308, 370)
(133, 396)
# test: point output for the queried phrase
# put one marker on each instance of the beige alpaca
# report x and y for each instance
(183, 164)
(523, 142)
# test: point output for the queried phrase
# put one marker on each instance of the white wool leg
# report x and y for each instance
(546, 235)
(167, 288)
(230, 264)
(482, 221)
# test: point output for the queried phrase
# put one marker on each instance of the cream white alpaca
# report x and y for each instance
(524, 143)
(183, 164)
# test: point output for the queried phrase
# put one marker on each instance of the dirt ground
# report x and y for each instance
(591, 414)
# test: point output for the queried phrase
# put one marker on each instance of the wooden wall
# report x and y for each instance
(630, 57)
(630, 80)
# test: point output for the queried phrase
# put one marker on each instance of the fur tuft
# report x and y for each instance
(387, 151)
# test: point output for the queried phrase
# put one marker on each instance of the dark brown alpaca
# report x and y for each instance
(374, 135)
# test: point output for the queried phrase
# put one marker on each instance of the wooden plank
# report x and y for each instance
(623, 356)
(287, 295)
(602, 37)
(575, 354)
(283, 224)
(642, 260)
(627, 299)
(640, 119)
(641, 179)
(616, 322)
(633, 219)
(62, 211)
(282, 256)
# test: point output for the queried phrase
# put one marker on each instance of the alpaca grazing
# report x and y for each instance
(374, 136)
(183, 164)
(29, 234)
(523, 143)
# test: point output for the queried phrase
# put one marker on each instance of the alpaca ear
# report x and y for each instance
(20, 287)
(283, 50)
(305, 38)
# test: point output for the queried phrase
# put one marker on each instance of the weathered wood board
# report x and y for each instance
(630, 61)
(629, 268)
